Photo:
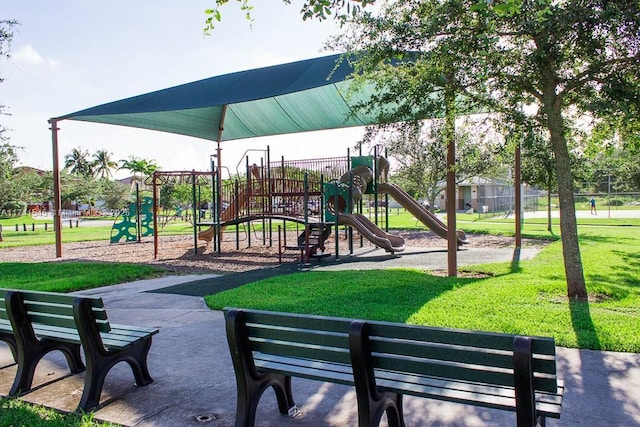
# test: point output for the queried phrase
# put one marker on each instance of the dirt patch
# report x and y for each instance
(462, 273)
(176, 253)
(592, 298)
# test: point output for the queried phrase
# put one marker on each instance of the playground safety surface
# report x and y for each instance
(176, 253)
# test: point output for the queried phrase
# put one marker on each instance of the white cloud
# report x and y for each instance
(27, 55)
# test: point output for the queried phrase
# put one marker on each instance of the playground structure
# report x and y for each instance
(318, 195)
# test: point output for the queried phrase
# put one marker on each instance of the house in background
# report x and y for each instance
(484, 195)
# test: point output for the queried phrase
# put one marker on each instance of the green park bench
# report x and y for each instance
(385, 361)
(41, 322)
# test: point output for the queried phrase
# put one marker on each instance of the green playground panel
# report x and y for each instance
(329, 192)
(125, 224)
(367, 161)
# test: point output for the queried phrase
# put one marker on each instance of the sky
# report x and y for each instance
(68, 55)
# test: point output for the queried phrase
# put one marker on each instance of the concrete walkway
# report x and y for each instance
(195, 384)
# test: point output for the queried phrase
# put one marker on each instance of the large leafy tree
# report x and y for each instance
(114, 194)
(8, 159)
(79, 189)
(559, 57)
(7, 27)
(613, 149)
(319, 9)
(340, 10)
(8, 152)
(8, 155)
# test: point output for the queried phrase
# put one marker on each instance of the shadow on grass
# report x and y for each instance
(515, 260)
(387, 295)
(583, 326)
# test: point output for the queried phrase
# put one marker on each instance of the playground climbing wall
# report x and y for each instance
(128, 223)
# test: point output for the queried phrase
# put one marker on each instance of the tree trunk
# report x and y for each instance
(576, 287)
(549, 207)
(450, 138)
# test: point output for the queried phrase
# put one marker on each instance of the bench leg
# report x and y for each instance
(29, 356)
(372, 404)
(250, 391)
(99, 363)
(100, 360)
(523, 378)
(373, 407)
(30, 349)
(250, 384)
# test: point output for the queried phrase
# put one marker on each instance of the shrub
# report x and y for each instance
(614, 202)
(13, 209)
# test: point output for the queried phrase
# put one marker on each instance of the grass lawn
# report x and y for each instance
(14, 412)
(84, 233)
(71, 276)
(525, 298)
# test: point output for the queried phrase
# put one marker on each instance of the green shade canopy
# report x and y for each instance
(300, 96)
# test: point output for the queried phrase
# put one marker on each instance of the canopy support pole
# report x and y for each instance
(57, 200)
(218, 229)
(518, 196)
(450, 136)
(155, 214)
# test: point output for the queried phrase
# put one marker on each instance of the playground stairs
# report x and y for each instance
(317, 233)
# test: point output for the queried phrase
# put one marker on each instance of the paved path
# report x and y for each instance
(195, 385)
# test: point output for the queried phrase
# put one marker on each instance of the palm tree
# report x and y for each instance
(78, 162)
(102, 164)
(140, 167)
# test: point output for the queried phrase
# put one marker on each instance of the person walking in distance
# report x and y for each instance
(592, 206)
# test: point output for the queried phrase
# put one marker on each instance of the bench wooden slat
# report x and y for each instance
(134, 329)
(58, 298)
(71, 336)
(485, 396)
(129, 331)
(328, 324)
(300, 350)
(456, 370)
(114, 339)
(457, 353)
(461, 337)
(462, 392)
(316, 370)
(57, 308)
(299, 335)
(446, 352)
(5, 325)
(438, 368)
